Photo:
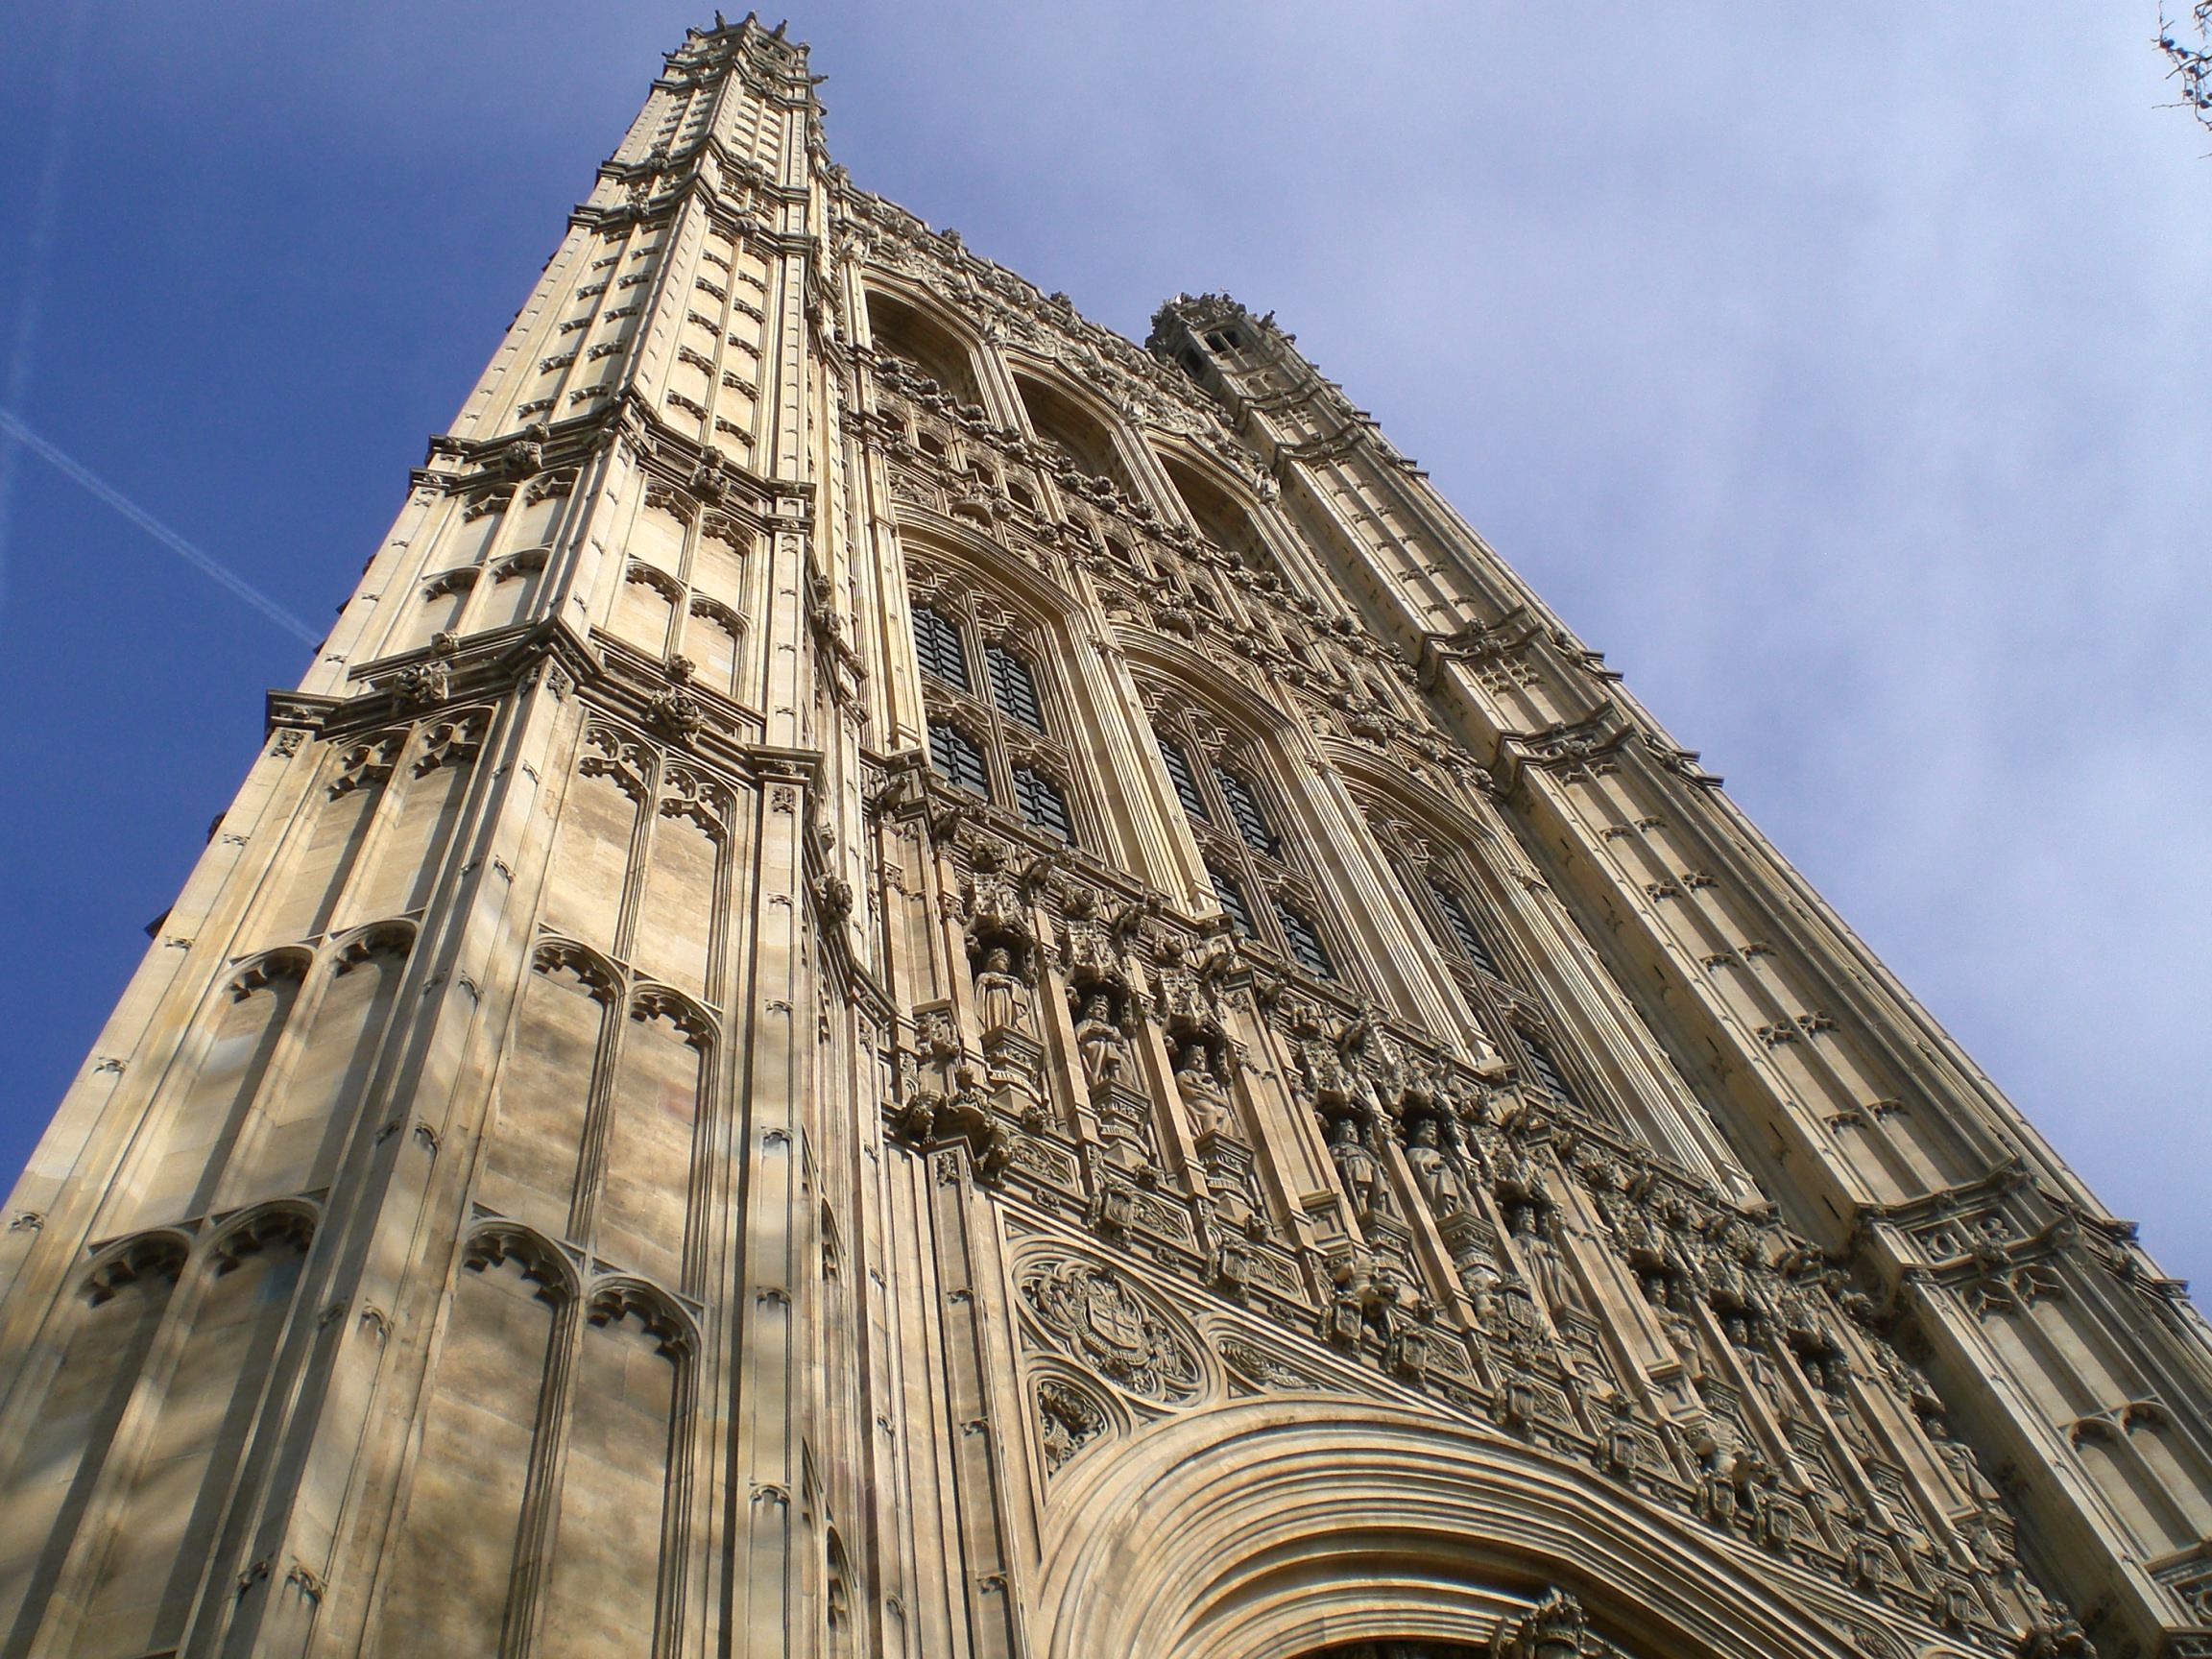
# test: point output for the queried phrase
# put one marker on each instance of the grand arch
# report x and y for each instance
(1272, 1529)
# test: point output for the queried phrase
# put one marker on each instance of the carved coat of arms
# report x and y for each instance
(1103, 1321)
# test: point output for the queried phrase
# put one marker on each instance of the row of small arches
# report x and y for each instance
(144, 1392)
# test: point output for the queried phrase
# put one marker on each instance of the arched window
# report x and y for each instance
(1013, 687)
(1305, 942)
(1460, 923)
(1545, 1070)
(900, 330)
(1245, 812)
(937, 644)
(1071, 429)
(1043, 803)
(1231, 892)
(987, 697)
(1184, 779)
(1257, 876)
(960, 759)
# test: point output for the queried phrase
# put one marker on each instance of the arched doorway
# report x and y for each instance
(1317, 1529)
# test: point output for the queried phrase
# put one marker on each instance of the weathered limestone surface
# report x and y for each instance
(913, 982)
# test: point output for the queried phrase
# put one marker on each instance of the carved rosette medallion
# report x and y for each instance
(1104, 1322)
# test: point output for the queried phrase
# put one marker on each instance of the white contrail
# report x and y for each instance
(39, 252)
(207, 564)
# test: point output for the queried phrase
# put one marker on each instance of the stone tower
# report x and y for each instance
(912, 982)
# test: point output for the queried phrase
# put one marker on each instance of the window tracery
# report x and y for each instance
(1257, 874)
(1440, 883)
(958, 758)
(990, 729)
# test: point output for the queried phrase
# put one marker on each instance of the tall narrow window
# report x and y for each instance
(960, 759)
(1461, 922)
(937, 644)
(1305, 942)
(1547, 1070)
(992, 738)
(1231, 892)
(1244, 808)
(1042, 804)
(1262, 880)
(1186, 781)
(1013, 687)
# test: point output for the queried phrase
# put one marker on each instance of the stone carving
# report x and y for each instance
(1101, 1042)
(421, 683)
(677, 713)
(1002, 997)
(1356, 1169)
(1435, 1170)
(1068, 1419)
(1556, 1627)
(1252, 1361)
(1294, 1164)
(1201, 1087)
(1104, 1322)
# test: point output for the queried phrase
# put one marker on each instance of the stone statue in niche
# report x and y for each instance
(1001, 996)
(1540, 1257)
(1358, 1168)
(1434, 1169)
(1100, 1041)
(1204, 1094)
(1681, 1330)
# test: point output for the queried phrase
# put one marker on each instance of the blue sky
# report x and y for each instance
(1839, 371)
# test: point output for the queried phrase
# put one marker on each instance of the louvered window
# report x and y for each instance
(1185, 781)
(1244, 808)
(1546, 1069)
(1042, 804)
(937, 644)
(1305, 942)
(1464, 930)
(1013, 687)
(958, 760)
(1232, 896)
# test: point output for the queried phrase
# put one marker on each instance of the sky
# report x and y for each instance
(1838, 372)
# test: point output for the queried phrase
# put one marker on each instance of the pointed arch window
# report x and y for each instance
(1546, 1068)
(1460, 920)
(986, 685)
(1234, 904)
(1043, 803)
(1245, 813)
(960, 759)
(1013, 687)
(937, 644)
(1305, 941)
(1259, 877)
(1184, 781)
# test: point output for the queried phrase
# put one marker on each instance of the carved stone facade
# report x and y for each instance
(913, 981)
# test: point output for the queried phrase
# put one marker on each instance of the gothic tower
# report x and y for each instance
(913, 982)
